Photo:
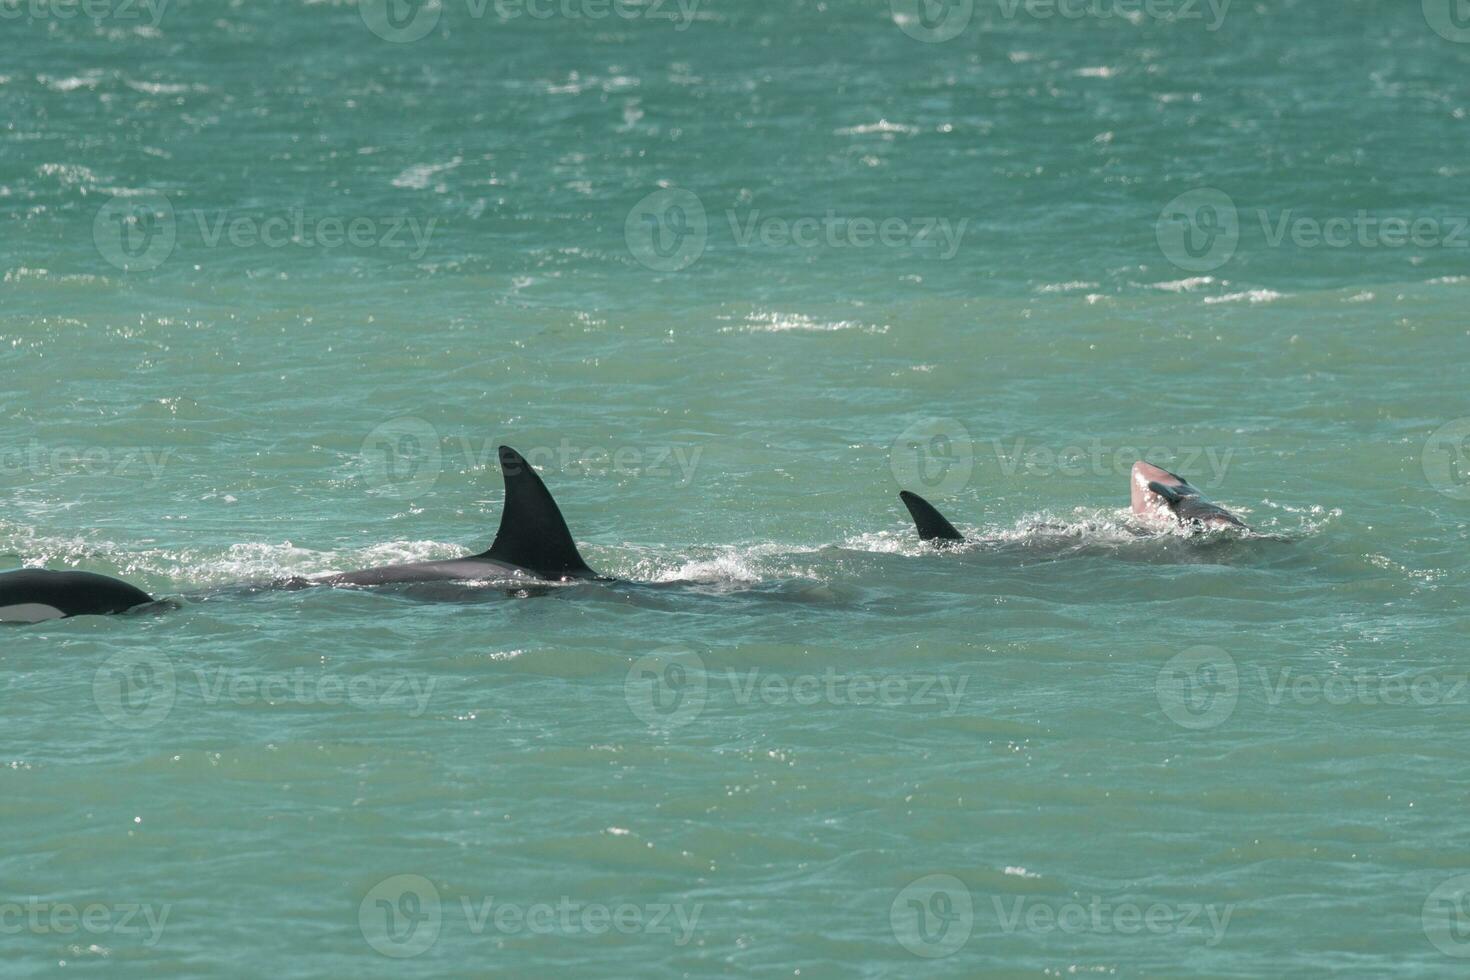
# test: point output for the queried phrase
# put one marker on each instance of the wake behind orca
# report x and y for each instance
(533, 543)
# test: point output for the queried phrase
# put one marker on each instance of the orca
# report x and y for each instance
(34, 595)
(1158, 494)
(533, 543)
(930, 523)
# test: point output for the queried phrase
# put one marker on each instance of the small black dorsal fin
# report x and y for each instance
(930, 522)
(533, 534)
(1168, 493)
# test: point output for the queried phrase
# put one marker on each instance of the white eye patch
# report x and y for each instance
(29, 612)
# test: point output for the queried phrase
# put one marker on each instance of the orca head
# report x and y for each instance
(34, 595)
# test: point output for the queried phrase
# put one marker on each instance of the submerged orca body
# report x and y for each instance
(33, 595)
(1159, 494)
(533, 542)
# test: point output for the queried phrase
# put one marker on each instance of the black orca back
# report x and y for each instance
(69, 593)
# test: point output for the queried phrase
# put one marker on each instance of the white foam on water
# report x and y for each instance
(881, 127)
(1248, 296)
(1189, 285)
(773, 322)
(419, 176)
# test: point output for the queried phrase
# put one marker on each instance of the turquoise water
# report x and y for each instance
(995, 269)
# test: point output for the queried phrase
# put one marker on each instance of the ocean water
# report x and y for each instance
(278, 278)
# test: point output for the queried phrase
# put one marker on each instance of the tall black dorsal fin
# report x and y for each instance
(930, 522)
(533, 534)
